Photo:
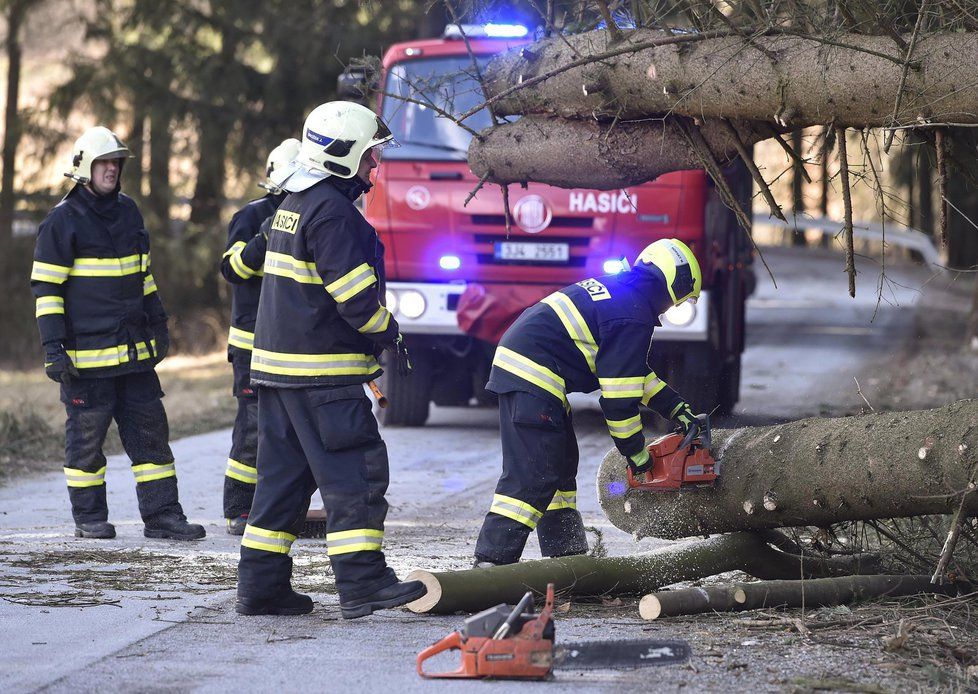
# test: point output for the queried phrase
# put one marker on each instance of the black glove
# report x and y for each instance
(265, 228)
(402, 361)
(162, 336)
(58, 365)
(685, 418)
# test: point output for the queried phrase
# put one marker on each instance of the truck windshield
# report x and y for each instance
(448, 83)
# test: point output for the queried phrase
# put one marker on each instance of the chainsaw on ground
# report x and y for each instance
(678, 461)
(507, 642)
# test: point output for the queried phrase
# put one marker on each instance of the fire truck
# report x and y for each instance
(457, 278)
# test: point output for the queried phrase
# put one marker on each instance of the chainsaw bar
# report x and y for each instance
(593, 655)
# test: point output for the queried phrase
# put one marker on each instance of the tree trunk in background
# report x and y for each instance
(923, 173)
(205, 208)
(16, 13)
(797, 197)
(160, 146)
(132, 174)
(823, 197)
(962, 227)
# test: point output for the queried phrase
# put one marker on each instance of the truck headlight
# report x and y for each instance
(411, 304)
(680, 316)
(390, 300)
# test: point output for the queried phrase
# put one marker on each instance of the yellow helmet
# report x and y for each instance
(95, 143)
(678, 265)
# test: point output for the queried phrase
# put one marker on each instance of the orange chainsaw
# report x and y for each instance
(514, 643)
(679, 461)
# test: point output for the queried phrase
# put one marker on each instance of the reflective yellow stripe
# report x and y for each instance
(235, 248)
(352, 283)
(530, 371)
(640, 458)
(360, 540)
(267, 540)
(241, 472)
(651, 386)
(147, 472)
(623, 428)
(149, 285)
(575, 326)
(622, 387)
(563, 500)
(110, 356)
(378, 322)
(288, 364)
(49, 272)
(241, 269)
(516, 510)
(80, 478)
(106, 267)
(286, 266)
(241, 338)
(47, 305)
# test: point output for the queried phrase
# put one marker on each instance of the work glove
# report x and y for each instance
(58, 365)
(265, 227)
(399, 352)
(640, 463)
(685, 418)
(162, 336)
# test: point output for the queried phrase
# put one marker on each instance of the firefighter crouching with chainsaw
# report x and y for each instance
(593, 334)
(104, 329)
(321, 324)
(241, 265)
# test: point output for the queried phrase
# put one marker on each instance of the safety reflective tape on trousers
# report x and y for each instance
(110, 356)
(287, 364)
(48, 305)
(267, 540)
(80, 478)
(624, 428)
(352, 283)
(241, 338)
(241, 472)
(516, 510)
(575, 325)
(147, 472)
(630, 387)
(530, 371)
(360, 540)
(378, 322)
(563, 500)
(283, 265)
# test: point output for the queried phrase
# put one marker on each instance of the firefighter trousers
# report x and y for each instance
(135, 402)
(241, 473)
(323, 437)
(538, 487)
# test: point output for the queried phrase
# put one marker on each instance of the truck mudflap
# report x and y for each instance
(486, 311)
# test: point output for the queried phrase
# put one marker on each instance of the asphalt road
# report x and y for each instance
(132, 614)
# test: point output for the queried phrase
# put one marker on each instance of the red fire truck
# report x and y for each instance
(452, 264)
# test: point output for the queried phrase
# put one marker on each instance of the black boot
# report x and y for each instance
(236, 526)
(392, 596)
(98, 530)
(289, 603)
(170, 526)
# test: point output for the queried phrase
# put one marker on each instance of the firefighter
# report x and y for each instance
(321, 325)
(242, 267)
(104, 330)
(593, 334)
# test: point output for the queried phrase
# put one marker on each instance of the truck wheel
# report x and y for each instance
(409, 396)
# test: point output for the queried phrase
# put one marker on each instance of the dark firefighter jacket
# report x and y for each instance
(321, 320)
(593, 334)
(242, 267)
(93, 288)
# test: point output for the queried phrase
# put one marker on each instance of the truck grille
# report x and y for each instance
(498, 220)
(487, 256)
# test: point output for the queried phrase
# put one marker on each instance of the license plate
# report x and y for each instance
(536, 252)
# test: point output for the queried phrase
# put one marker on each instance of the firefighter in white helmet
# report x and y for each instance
(241, 265)
(104, 330)
(321, 326)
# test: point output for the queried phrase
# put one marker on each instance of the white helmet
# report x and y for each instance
(336, 135)
(95, 143)
(278, 159)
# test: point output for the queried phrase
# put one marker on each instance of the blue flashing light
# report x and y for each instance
(613, 266)
(506, 31)
(449, 262)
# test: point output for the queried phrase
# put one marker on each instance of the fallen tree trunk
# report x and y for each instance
(603, 156)
(812, 472)
(820, 592)
(851, 79)
(584, 576)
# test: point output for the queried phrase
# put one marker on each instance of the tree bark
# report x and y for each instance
(587, 154)
(798, 81)
(584, 576)
(16, 14)
(820, 592)
(816, 471)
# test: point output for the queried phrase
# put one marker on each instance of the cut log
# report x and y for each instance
(584, 576)
(820, 471)
(820, 592)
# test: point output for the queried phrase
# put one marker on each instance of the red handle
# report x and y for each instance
(452, 642)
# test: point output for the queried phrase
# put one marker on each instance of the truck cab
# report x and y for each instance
(458, 274)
